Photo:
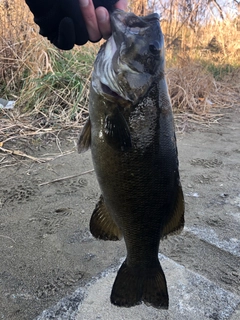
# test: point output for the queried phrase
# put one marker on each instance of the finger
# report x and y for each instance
(89, 15)
(122, 4)
(103, 22)
(66, 35)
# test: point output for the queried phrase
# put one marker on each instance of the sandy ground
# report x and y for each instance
(48, 253)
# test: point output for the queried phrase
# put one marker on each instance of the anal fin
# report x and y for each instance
(176, 223)
(102, 225)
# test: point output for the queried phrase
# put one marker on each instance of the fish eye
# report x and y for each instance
(154, 49)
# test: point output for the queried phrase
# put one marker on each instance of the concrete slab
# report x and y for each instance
(236, 314)
(227, 242)
(192, 297)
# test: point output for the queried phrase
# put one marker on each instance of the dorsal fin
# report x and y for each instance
(176, 223)
(102, 225)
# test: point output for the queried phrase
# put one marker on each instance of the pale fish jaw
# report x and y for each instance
(104, 79)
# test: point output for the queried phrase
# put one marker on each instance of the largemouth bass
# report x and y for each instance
(132, 138)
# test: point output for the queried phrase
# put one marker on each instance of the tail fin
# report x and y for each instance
(136, 284)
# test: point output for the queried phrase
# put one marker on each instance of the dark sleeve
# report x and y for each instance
(61, 21)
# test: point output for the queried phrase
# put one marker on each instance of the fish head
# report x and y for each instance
(132, 58)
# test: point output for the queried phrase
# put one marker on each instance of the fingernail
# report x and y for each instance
(101, 16)
(84, 3)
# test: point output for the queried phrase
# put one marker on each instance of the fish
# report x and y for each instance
(131, 134)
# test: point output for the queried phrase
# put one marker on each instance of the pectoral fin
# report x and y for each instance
(102, 225)
(116, 131)
(176, 223)
(84, 140)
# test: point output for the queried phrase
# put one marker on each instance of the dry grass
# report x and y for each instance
(194, 91)
(50, 84)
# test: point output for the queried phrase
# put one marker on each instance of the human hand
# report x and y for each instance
(69, 22)
(97, 20)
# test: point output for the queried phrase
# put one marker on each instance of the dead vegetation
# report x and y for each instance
(196, 94)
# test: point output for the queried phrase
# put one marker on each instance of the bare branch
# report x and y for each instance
(218, 7)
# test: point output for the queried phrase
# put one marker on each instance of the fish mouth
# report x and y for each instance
(122, 23)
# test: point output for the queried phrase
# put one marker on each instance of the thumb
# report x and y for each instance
(122, 5)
